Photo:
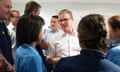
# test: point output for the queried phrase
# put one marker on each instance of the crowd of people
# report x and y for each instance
(26, 47)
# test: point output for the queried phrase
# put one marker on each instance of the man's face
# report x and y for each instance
(5, 8)
(112, 34)
(65, 21)
(54, 24)
(15, 18)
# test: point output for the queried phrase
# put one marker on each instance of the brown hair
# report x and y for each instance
(91, 32)
(28, 28)
(114, 22)
(30, 6)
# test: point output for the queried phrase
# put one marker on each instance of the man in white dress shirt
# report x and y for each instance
(13, 19)
(66, 43)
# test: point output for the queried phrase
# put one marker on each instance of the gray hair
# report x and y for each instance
(66, 11)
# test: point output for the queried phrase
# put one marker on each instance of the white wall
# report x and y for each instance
(79, 9)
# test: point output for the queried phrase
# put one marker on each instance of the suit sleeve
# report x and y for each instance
(61, 66)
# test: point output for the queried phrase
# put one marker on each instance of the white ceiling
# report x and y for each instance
(69, 1)
(78, 7)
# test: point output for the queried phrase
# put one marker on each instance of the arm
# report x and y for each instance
(52, 58)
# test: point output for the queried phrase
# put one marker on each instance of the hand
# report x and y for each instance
(53, 60)
(11, 68)
(3, 64)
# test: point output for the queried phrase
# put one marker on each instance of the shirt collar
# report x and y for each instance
(51, 30)
(93, 52)
(12, 26)
(74, 33)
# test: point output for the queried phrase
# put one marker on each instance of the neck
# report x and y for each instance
(69, 31)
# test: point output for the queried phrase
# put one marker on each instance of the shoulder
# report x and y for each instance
(24, 63)
(47, 30)
(108, 66)
(26, 54)
(23, 51)
(67, 64)
(115, 50)
(70, 60)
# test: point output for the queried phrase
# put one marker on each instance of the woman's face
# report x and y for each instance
(111, 33)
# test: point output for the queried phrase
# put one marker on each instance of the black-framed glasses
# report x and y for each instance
(64, 20)
(16, 17)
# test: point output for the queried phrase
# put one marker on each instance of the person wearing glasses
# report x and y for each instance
(13, 19)
(65, 43)
(33, 7)
(92, 39)
(5, 41)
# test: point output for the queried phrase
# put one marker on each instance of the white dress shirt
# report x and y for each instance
(12, 33)
(64, 45)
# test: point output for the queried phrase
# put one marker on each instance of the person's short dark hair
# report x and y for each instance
(55, 16)
(114, 22)
(31, 6)
(28, 28)
(91, 32)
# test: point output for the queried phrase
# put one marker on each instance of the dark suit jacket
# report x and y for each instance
(5, 43)
(87, 61)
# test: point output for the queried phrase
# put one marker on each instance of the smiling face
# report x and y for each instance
(65, 21)
(54, 24)
(5, 9)
(15, 17)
